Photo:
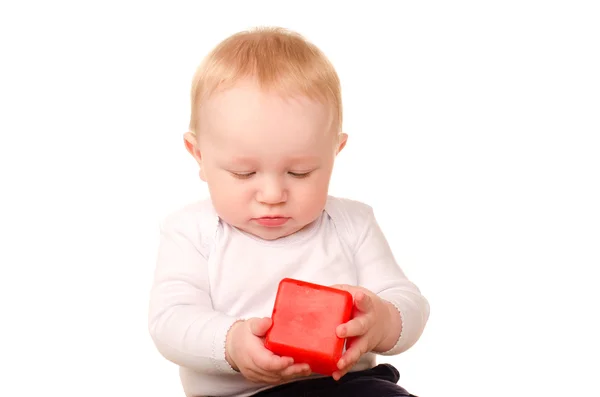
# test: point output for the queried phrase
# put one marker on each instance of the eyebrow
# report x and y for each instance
(305, 159)
(295, 159)
(238, 159)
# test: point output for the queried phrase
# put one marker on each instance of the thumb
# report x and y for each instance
(259, 326)
(363, 302)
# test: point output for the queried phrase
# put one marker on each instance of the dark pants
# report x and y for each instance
(376, 382)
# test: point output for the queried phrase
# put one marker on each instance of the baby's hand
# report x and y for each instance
(365, 331)
(246, 352)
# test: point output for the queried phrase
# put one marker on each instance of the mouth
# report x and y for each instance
(272, 221)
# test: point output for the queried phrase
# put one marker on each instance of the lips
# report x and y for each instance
(272, 221)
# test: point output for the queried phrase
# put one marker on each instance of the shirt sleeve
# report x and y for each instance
(379, 272)
(182, 322)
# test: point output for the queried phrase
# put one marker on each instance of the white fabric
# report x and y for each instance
(209, 275)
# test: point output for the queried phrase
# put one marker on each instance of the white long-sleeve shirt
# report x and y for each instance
(210, 274)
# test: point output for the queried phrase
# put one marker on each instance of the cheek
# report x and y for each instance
(321, 183)
(230, 190)
(230, 199)
(224, 190)
(314, 193)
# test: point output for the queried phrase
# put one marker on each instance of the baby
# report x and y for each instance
(265, 129)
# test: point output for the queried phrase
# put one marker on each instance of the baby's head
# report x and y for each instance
(265, 128)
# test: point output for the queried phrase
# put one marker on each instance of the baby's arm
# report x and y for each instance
(182, 322)
(189, 332)
(379, 273)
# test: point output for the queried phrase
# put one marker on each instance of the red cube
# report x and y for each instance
(305, 317)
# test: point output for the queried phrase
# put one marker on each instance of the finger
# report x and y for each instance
(353, 354)
(258, 376)
(296, 370)
(259, 326)
(350, 357)
(363, 302)
(350, 341)
(267, 361)
(337, 375)
(358, 326)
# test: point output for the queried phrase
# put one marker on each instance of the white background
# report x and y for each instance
(474, 132)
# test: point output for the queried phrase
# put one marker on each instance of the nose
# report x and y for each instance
(272, 192)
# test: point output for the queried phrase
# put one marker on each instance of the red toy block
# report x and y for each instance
(305, 317)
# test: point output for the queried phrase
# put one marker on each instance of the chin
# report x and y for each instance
(275, 233)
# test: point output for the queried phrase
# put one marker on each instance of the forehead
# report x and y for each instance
(249, 118)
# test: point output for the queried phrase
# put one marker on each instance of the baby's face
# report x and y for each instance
(267, 160)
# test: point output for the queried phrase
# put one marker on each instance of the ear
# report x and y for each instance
(191, 145)
(342, 139)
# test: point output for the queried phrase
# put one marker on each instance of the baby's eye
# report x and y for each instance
(242, 175)
(299, 174)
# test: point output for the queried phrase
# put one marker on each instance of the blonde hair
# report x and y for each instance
(278, 59)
